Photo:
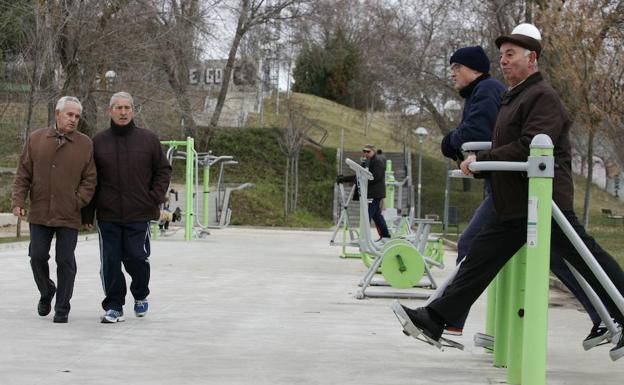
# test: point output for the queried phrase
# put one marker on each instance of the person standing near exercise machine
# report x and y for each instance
(376, 187)
(133, 177)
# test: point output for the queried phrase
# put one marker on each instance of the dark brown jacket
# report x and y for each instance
(533, 107)
(58, 175)
(133, 175)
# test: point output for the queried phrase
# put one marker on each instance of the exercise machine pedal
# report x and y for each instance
(411, 330)
(482, 340)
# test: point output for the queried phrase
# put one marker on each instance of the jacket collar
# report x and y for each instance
(118, 130)
(53, 133)
(467, 91)
(509, 95)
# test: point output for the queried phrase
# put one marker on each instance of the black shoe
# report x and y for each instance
(596, 336)
(60, 318)
(618, 351)
(417, 320)
(44, 307)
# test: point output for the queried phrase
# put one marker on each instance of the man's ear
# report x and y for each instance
(532, 57)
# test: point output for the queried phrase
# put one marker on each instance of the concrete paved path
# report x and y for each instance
(251, 306)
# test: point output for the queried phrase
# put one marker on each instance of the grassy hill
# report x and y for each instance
(359, 128)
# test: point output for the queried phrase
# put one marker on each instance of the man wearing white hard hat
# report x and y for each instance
(529, 107)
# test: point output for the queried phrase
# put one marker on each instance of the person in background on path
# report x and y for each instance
(56, 170)
(133, 178)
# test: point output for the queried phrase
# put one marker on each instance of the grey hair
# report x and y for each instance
(527, 53)
(60, 105)
(121, 95)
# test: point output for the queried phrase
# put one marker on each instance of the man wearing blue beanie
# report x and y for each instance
(470, 69)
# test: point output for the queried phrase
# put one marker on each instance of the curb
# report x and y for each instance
(24, 244)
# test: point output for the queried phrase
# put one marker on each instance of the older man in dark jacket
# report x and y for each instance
(529, 107)
(57, 170)
(133, 177)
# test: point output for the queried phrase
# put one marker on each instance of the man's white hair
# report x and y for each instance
(60, 105)
(121, 95)
(527, 53)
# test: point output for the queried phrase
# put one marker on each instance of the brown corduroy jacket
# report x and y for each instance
(532, 107)
(58, 175)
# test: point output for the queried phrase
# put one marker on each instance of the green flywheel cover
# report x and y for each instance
(368, 259)
(402, 266)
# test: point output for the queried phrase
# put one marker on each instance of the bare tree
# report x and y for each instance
(177, 26)
(291, 143)
(580, 39)
(250, 13)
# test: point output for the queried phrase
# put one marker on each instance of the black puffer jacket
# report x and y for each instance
(133, 175)
(377, 186)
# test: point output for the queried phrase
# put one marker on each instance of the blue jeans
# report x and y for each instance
(374, 213)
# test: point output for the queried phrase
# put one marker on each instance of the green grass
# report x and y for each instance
(14, 239)
(334, 117)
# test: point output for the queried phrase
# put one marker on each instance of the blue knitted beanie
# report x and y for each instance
(472, 57)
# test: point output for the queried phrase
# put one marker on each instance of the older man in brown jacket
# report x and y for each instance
(57, 171)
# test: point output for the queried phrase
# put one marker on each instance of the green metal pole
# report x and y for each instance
(189, 215)
(206, 195)
(491, 309)
(154, 230)
(389, 185)
(538, 261)
(516, 317)
(503, 287)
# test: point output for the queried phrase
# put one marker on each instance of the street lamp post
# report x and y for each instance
(110, 79)
(421, 133)
(451, 110)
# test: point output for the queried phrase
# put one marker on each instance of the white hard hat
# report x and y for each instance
(528, 30)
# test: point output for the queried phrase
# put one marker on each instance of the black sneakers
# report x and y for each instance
(596, 336)
(415, 321)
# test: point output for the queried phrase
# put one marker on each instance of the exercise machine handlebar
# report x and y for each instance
(359, 169)
(476, 146)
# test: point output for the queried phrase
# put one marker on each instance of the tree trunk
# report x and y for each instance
(590, 175)
(286, 194)
(241, 28)
(296, 182)
(33, 79)
(186, 113)
(31, 98)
